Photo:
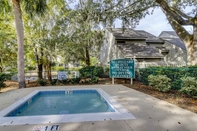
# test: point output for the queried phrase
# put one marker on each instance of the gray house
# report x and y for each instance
(143, 47)
(177, 50)
(134, 44)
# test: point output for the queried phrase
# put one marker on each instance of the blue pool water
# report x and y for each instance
(62, 102)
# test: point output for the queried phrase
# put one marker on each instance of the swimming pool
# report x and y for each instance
(62, 102)
(58, 106)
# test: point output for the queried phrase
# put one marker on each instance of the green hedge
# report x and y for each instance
(175, 74)
(91, 71)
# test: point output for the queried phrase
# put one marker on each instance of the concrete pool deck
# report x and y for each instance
(151, 113)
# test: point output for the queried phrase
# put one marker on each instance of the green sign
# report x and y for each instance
(122, 68)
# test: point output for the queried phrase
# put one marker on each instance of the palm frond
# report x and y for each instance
(34, 7)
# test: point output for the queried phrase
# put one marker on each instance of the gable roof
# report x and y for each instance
(168, 34)
(138, 50)
(172, 37)
(128, 33)
(150, 37)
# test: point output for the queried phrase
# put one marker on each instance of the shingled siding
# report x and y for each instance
(176, 54)
(108, 50)
(138, 50)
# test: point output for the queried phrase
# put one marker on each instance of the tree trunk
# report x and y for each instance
(1, 65)
(20, 40)
(192, 47)
(47, 67)
(87, 56)
(49, 72)
(177, 22)
(39, 64)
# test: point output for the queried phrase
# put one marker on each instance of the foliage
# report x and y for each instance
(94, 79)
(160, 82)
(175, 74)
(42, 82)
(8, 45)
(106, 72)
(75, 80)
(3, 77)
(91, 71)
(53, 81)
(58, 68)
(189, 86)
(143, 75)
(66, 81)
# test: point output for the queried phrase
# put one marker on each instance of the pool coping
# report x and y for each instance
(120, 112)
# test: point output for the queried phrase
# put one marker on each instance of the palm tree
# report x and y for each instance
(31, 7)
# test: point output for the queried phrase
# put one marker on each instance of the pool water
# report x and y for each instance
(62, 102)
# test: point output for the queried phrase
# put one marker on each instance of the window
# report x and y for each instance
(120, 41)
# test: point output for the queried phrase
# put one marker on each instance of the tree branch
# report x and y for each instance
(172, 13)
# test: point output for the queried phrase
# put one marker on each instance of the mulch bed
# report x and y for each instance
(172, 96)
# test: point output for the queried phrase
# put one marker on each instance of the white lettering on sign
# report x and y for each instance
(122, 69)
(47, 128)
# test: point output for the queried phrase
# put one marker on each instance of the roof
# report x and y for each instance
(170, 34)
(127, 34)
(172, 37)
(163, 49)
(138, 50)
(150, 37)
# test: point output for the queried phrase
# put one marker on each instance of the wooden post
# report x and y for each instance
(131, 81)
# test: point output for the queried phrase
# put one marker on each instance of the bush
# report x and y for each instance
(53, 82)
(94, 80)
(160, 82)
(90, 71)
(189, 86)
(2, 79)
(75, 80)
(175, 74)
(42, 82)
(143, 75)
(106, 72)
(66, 81)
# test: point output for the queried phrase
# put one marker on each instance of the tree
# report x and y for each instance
(44, 37)
(175, 13)
(32, 7)
(7, 43)
(130, 12)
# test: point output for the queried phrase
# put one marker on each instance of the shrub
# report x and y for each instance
(75, 80)
(66, 81)
(94, 80)
(175, 74)
(53, 82)
(189, 86)
(160, 82)
(42, 82)
(90, 71)
(106, 72)
(2, 79)
(143, 75)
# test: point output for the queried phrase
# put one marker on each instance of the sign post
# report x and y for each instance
(122, 68)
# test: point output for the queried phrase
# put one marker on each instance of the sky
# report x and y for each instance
(155, 23)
